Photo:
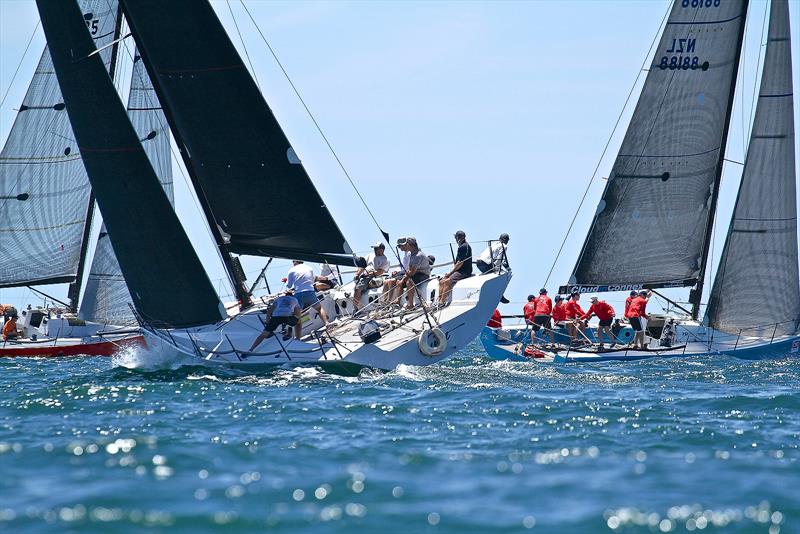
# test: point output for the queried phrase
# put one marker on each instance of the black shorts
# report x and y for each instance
(540, 321)
(606, 322)
(275, 322)
(635, 324)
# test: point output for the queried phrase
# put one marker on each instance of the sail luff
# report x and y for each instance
(649, 229)
(168, 284)
(74, 291)
(756, 289)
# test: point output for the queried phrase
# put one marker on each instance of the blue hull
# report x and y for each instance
(500, 348)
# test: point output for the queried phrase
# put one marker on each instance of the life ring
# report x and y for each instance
(438, 344)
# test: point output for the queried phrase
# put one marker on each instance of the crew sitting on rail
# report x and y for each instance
(377, 265)
(10, 328)
(605, 313)
(494, 256)
(285, 310)
(419, 270)
(391, 289)
(574, 314)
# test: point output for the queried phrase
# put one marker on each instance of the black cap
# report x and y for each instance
(530, 298)
(634, 293)
(643, 293)
(543, 291)
(559, 297)
(504, 237)
(459, 233)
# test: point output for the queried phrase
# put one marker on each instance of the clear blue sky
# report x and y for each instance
(483, 116)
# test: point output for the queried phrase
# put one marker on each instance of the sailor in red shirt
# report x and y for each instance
(605, 313)
(496, 321)
(628, 301)
(574, 313)
(542, 311)
(529, 310)
(637, 315)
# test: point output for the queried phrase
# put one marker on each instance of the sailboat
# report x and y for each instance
(47, 209)
(255, 195)
(653, 224)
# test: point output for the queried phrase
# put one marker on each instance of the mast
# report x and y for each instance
(696, 294)
(74, 291)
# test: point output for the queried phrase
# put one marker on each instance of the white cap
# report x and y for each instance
(593, 297)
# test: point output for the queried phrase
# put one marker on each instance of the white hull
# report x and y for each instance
(340, 347)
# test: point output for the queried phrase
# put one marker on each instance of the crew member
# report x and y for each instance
(10, 328)
(496, 321)
(285, 310)
(637, 315)
(574, 314)
(529, 310)
(541, 319)
(628, 300)
(605, 313)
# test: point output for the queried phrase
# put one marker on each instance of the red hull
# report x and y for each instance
(99, 348)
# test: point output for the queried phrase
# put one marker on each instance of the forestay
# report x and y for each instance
(168, 284)
(651, 224)
(106, 299)
(41, 236)
(757, 280)
(242, 164)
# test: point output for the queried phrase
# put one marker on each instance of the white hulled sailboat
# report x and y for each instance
(248, 180)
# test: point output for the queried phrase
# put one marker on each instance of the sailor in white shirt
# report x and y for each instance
(494, 256)
(301, 279)
(377, 265)
(389, 293)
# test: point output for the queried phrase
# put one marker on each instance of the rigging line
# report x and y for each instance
(244, 46)
(430, 318)
(314, 120)
(605, 149)
(21, 60)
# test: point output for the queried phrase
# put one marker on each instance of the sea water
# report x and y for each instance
(473, 445)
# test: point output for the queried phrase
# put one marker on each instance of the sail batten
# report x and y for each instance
(42, 236)
(650, 228)
(757, 281)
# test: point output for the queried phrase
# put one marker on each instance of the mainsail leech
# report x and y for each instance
(650, 225)
(757, 281)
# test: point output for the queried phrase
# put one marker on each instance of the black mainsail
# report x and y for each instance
(256, 195)
(167, 282)
(757, 280)
(653, 223)
(106, 299)
(45, 196)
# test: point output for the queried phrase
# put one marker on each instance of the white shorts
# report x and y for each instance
(643, 322)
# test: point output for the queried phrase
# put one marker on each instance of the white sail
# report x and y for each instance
(757, 281)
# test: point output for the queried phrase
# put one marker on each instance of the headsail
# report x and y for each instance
(168, 284)
(106, 298)
(243, 166)
(651, 225)
(44, 191)
(757, 280)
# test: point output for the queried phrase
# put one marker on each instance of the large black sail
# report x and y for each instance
(242, 163)
(44, 191)
(106, 299)
(166, 279)
(651, 225)
(757, 280)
